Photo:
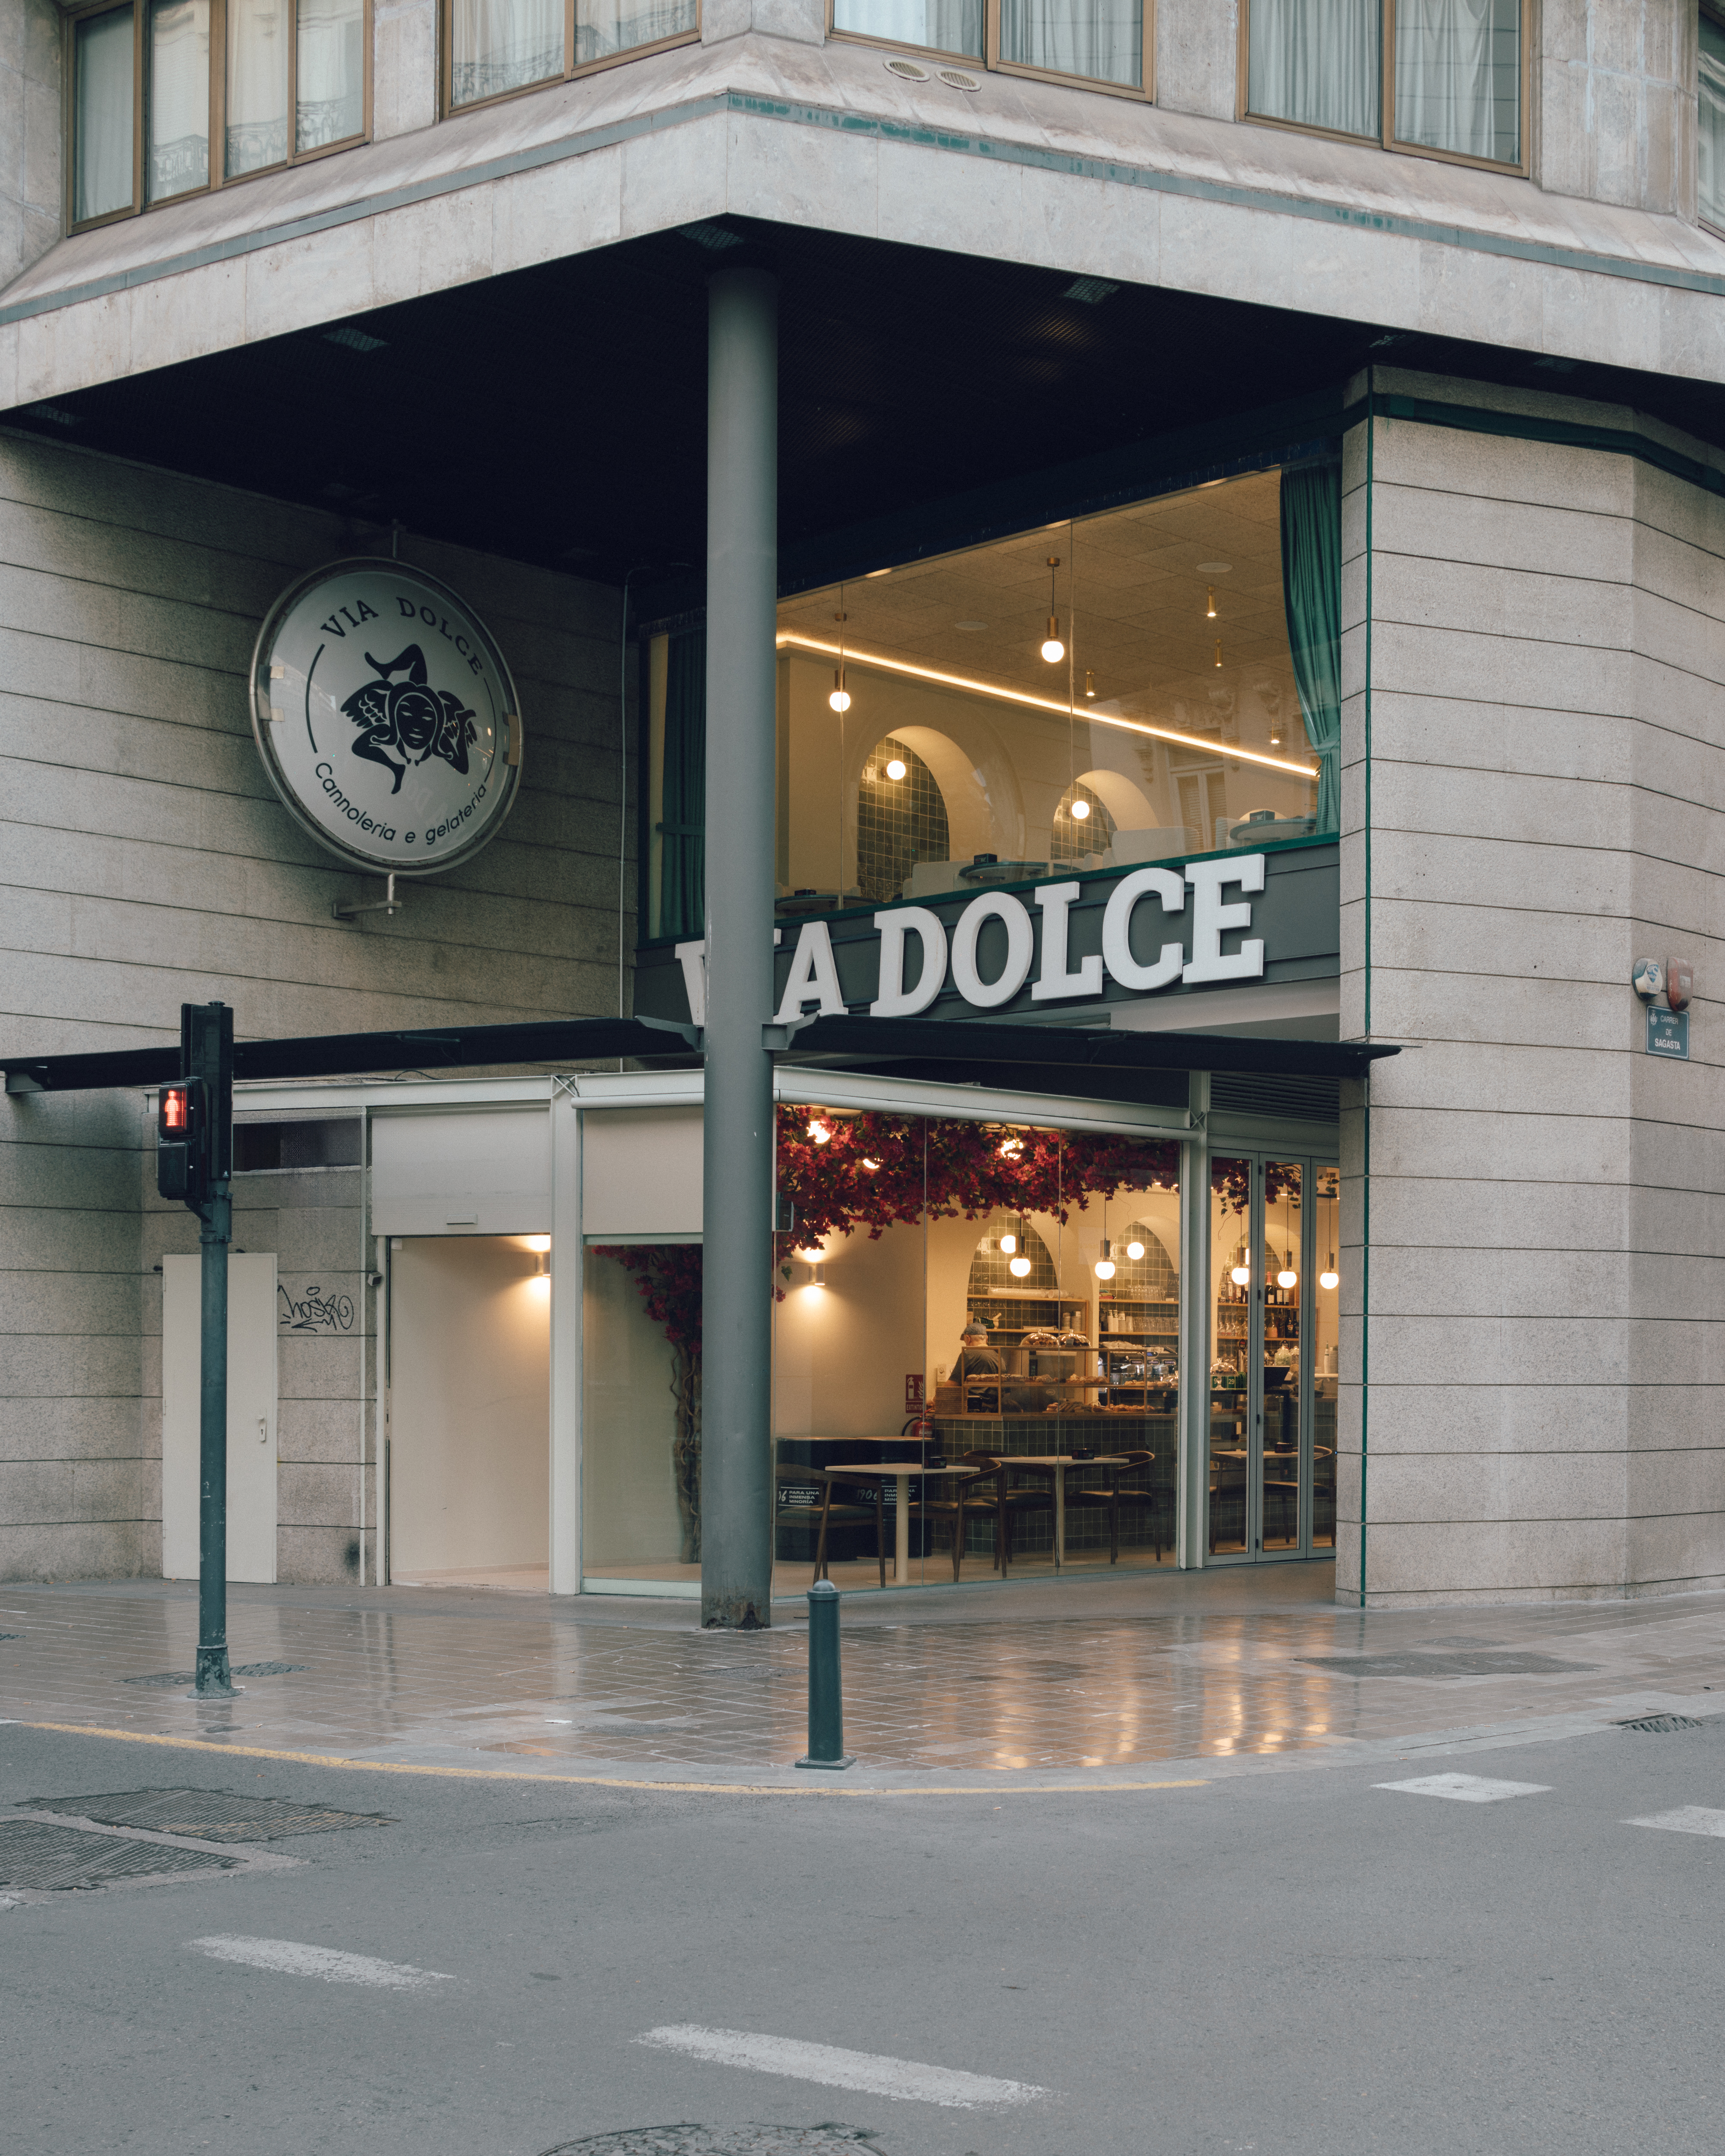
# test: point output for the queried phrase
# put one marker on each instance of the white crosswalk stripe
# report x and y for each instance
(1465, 1789)
(1687, 1819)
(836, 2068)
(291, 1958)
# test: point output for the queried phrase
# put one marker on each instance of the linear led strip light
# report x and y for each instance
(854, 656)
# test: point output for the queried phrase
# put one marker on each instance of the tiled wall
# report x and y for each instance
(143, 862)
(1546, 1238)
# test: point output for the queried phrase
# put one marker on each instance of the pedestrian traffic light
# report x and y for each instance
(183, 1142)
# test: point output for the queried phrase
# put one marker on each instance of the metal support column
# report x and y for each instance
(1197, 1305)
(207, 1054)
(742, 600)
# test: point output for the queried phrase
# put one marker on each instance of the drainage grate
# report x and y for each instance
(168, 1677)
(63, 1859)
(211, 1815)
(1456, 1664)
(1661, 1725)
(720, 2141)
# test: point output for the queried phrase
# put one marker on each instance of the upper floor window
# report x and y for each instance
(157, 82)
(1095, 41)
(1710, 130)
(496, 47)
(1453, 87)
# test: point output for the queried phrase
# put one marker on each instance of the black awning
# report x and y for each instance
(594, 1039)
(1077, 1048)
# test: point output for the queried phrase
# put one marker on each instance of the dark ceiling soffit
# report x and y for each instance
(1297, 432)
(580, 1040)
(1078, 1049)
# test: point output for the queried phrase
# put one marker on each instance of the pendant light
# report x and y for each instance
(1288, 1276)
(1008, 1242)
(1329, 1278)
(1053, 650)
(1089, 683)
(1209, 612)
(1219, 651)
(896, 768)
(1019, 1266)
(1135, 1251)
(1081, 809)
(1241, 1272)
(1105, 1263)
(841, 698)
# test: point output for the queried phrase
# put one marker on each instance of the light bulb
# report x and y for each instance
(841, 698)
(1329, 1278)
(1105, 1263)
(1053, 650)
(1287, 1277)
(539, 1243)
(819, 1133)
(1081, 809)
(1219, 651)
(1089, 681)
(1209, 612)
(1240, 1275)
(1019, 1268)
(1008, 1244)
(897, 768)
(1135, 1251)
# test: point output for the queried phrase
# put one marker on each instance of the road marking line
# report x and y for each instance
(1467, 1788)
(1687, 1819)
(818, 1789)
(290, 1958)
(906, 2079)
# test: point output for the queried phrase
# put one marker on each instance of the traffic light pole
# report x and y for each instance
(206, 1054)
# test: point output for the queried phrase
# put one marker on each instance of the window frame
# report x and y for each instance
(990, 61)
(1385, 139)
(447, 109)
(217, 110)
(1717, 15)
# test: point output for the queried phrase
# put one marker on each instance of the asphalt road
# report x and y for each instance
(1288, 1960)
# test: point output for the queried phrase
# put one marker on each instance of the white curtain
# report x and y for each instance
(257, 85)
(330, 92)
(1102, 39)
(102, 181)
(944, 26)
(605, 26)
(1709, 132)
(1316, 62)
(504, 44)
(179, 98)
(1457, 76)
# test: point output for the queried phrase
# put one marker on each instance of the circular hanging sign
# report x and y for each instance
(386, 717)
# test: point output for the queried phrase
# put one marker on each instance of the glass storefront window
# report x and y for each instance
(640, 1455)
(1710, 122)
(1153, 684)
(102, 114)
(1325, 1337)
(976, 1364)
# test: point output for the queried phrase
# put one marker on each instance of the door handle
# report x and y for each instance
(263, 1430)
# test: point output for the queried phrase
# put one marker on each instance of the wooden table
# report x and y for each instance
(901, 1470)
(1059, 1462)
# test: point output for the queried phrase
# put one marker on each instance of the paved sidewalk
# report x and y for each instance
(1093, 1683)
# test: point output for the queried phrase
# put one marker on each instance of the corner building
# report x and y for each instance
(1114, 618)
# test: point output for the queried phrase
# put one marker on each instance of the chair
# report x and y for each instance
(1002, 1503)
(1109, 1496)
(827, 1513)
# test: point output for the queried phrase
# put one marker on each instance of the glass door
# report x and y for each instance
(1272, 1356)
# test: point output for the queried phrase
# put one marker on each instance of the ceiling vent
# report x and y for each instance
(906, 70)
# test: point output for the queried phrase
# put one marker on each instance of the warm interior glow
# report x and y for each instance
(1327, 1280)
(1240, 1275)
(798, 642)
(841, 698)
(539, 1243)
(897, 768)
(1019, 1268)
(1287, 1277)
(1081, 809)
(819, 1133)
(1008, 1244)
(1135, 1251)
(1053, 650)
(1105, 1268)
(1210, 609)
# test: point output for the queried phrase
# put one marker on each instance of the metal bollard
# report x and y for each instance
(826, 1693)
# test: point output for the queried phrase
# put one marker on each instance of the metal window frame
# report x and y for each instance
(1716, 15)
(1385, 137)
(447, 109)
(218, 177)
(1143, 92)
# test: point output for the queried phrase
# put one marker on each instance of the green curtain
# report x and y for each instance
(682, 884)
(1311, 588)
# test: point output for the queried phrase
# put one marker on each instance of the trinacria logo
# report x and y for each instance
(371, 747)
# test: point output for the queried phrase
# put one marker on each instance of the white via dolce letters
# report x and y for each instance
(815, 975)
(386, 717)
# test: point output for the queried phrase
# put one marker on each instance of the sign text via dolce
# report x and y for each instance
(386, 717)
